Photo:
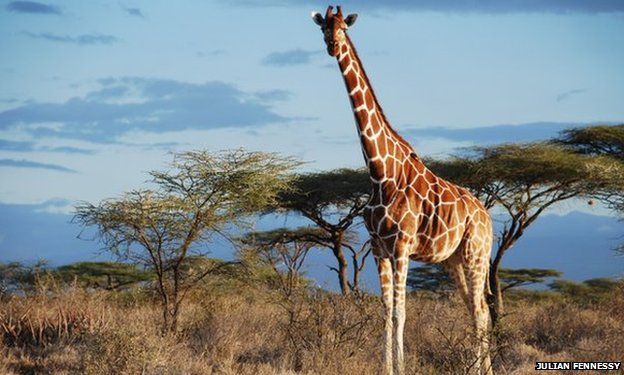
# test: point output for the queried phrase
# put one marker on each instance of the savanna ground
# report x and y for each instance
(238, 328)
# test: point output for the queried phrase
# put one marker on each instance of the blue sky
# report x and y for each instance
(95, 93)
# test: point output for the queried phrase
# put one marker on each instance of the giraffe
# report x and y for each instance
(412, 213)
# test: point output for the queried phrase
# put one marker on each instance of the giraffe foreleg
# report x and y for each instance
(400, 279)
(384, 267)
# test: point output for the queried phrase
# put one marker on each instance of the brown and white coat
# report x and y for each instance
(412, 213)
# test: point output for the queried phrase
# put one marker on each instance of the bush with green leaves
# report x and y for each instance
(200, 195)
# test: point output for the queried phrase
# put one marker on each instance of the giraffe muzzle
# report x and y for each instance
(332, 49)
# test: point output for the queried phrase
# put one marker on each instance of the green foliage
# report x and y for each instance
(512, 278)
(103, 275)
(433, 277)
(310, 235)
(200, 195)
(538, 164)
(506, 171)
(196, 267)
(313, 193)
(595, 140)
(588, 291)
(236, 182)
(600, 140)
(430, 277)
(521, 295)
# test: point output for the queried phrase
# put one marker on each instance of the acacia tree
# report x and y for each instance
(595, 140)
(430, 277)
(433, 278)
(599, 140)
(284, 250)
(513, 278)
(332, 201)
(602, 140)
(200, 195)
(103, 275)
(524, 180)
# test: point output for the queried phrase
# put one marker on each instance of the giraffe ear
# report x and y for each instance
(350, 20)
(318, 18)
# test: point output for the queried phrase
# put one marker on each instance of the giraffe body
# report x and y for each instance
(443, 219)
(412, 213)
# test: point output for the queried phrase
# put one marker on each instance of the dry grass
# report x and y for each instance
(75, 332)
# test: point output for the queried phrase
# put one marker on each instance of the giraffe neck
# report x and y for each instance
(383, 148)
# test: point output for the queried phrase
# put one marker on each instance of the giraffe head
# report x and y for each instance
(334, 27)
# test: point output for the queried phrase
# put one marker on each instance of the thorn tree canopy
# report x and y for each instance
(600, 140)
(103, 275)
(201, 194)
(595, 140)
(333, 200)
(433, 277)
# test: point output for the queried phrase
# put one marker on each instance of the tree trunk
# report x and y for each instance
(343, 278)
(173, 326)
(170, 317)
(355, 283)
(357, 261)
(175, 296)
(170, 306)
(495, 301)
(165, 312)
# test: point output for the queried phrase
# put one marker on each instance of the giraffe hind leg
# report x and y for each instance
(453, 265)
(475, 273)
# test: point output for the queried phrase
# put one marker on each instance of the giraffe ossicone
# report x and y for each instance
(412, 213)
